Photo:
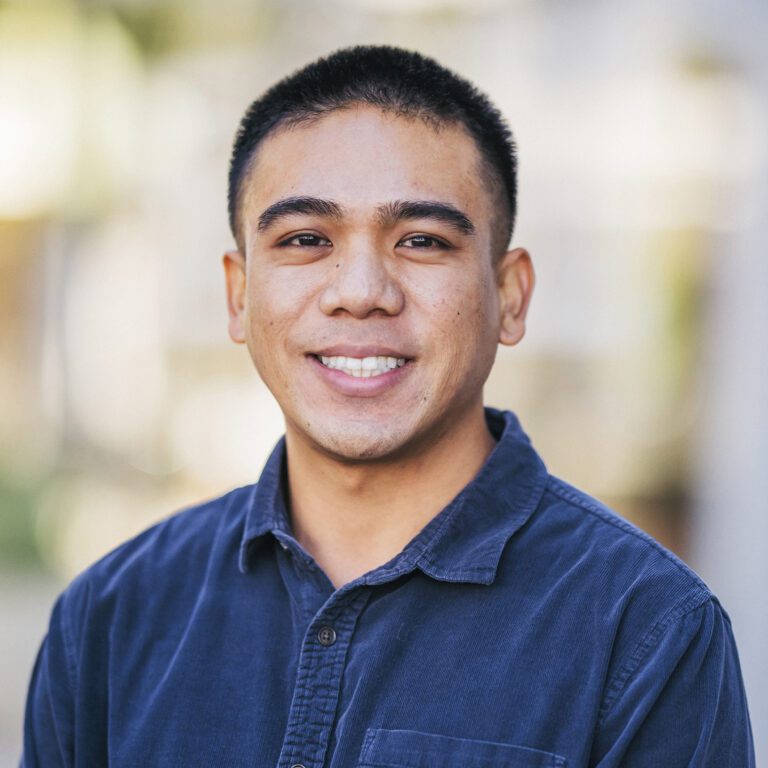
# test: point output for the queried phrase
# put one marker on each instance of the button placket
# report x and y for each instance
(318, 680)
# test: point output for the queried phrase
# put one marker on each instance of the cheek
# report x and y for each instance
(464, 315)
(277, 299)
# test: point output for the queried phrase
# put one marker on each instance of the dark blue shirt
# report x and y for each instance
(525, 625)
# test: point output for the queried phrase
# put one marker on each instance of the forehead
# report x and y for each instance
(362, 157)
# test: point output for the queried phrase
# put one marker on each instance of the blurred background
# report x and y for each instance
(642, 129)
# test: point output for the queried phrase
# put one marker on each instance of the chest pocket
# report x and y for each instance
(411, 749)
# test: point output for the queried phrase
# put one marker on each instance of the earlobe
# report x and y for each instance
(515, 280)
(235, 277)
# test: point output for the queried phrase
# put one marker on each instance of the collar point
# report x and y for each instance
(477, 575)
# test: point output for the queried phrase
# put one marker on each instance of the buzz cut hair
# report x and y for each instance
(404, 83)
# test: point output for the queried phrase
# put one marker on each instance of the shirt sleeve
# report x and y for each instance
(679, 700)
(49, 715)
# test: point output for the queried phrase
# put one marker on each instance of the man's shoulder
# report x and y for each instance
(610, 563)
(611, 528)
(604, 578)
(175, 548)
(595, 530)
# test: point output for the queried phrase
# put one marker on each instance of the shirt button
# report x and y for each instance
(326, 635)
(297, 765)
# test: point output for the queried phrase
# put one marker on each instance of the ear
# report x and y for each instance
(235, 276)
(515, 280)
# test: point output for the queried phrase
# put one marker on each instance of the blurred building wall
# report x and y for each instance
(730, 525)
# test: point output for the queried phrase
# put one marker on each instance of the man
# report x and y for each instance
(405, 585)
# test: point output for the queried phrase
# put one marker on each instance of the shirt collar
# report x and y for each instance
(462, 543)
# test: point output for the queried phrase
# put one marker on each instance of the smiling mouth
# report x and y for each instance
(362, 367)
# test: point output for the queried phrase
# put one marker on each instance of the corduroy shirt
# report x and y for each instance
(525, 626)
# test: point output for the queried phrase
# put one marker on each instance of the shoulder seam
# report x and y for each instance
(556, 487)
(614, 688)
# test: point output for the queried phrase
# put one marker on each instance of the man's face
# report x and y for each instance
(368, 295)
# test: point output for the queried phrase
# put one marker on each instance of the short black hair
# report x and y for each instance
(399, 81)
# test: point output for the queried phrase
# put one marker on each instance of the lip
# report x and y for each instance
(353, 386)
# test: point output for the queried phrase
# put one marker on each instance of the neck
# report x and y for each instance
(354, 516)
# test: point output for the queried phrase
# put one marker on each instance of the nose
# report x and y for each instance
(361, 284)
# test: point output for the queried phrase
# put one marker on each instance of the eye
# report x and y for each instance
(305, 240)
(423, 241)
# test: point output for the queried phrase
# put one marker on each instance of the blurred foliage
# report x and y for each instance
(18, 545)
(161, 28)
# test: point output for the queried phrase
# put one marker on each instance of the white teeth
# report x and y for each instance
(363, 367)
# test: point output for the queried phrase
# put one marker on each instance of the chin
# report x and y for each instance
(360, 442)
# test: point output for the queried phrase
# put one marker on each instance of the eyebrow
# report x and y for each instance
(425, 209)
(388, 214)
(290, 206)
